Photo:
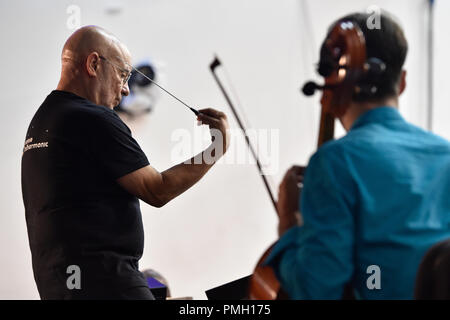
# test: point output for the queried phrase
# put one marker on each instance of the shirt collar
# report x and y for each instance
(379, 114)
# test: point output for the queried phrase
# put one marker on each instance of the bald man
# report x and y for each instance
(83, 173)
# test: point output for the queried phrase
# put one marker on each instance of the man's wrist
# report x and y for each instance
(283, 226)
(288, 221)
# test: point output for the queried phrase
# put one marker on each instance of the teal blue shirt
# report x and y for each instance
(379, 196)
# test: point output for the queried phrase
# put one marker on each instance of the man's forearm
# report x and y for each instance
(181, 177)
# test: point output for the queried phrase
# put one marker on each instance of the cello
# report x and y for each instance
(344, 66)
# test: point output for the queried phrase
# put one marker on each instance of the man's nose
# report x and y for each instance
(125, 90)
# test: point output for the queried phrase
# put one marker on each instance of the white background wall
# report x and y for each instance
(216, 231)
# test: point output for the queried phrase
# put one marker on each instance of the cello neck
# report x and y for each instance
(326, 130)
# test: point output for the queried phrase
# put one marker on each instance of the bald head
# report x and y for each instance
(89, 39)
(92, 59)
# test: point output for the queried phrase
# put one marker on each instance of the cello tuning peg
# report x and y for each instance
(309, 88)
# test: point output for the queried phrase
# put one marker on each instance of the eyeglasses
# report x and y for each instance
(125, 73)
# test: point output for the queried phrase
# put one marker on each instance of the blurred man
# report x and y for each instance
(83, 173)
(373, 201)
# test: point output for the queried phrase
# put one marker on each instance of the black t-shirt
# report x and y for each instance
(76, 212)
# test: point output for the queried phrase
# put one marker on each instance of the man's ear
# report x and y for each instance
(402, 85)
(92, 63)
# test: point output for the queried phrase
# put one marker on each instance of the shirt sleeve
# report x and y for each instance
(113, 147)
(315, 261)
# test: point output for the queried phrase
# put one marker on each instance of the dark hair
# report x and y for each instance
(433, 276)
(387, 43)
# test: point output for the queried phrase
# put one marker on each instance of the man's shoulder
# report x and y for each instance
(350, 147)
(377, 143)
(379, 137)
(332, 154)
(431, 139)
(333, 147)
(73, 107)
